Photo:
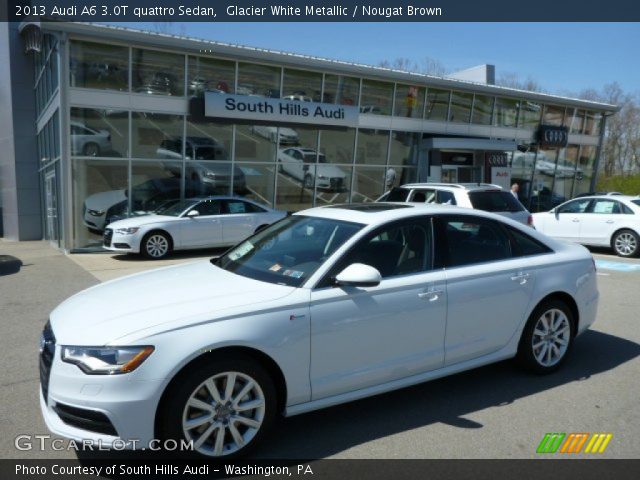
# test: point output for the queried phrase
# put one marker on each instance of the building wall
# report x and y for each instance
(19, 177)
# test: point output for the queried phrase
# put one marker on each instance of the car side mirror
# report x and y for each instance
(358, 275)
(193, 213)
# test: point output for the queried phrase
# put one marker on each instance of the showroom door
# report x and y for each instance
(366, 336)
(51, 208)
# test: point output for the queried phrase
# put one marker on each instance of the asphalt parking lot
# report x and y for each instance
(492, 412)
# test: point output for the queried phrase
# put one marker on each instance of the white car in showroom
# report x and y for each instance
(186, 224)
(283, 135)
(599, 221)
(326, 306)
(300, 163)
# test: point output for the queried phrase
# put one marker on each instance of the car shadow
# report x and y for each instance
(9, 265)
(330, 431)
(179, 255)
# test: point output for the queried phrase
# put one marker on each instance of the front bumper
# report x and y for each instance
(128, 405)
(118, 242)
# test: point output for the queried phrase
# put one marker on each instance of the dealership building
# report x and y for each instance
(100, 122)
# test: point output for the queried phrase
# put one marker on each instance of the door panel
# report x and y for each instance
(598, 226)
(368, 336)
(204, 230)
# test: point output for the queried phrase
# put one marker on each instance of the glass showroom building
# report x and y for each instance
(113, 122)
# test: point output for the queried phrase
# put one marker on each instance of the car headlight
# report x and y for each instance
(106, 360)
(127, 231)
(96, 213)
(210, 175)
(322, 177)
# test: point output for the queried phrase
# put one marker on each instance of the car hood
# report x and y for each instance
(140, 220)
(134, 307)
(104, 200)
(330, 171)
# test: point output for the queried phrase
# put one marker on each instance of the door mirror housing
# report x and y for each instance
(193, 213)
(358, 275)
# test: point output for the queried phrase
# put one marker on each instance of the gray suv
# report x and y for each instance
(481, 196)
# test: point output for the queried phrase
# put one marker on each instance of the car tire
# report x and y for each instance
(626, 243)
(547, 337)
(308, 181)
(91, 149)
(199, 407)
(156, 245)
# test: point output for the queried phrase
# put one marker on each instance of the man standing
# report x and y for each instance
(514, 190)
(389, 178)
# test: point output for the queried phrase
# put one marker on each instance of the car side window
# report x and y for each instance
(402, 248)
(575, 206)
(607, 207)
(251, 208)
(523, 245)
(470, 240)
(208, 207)
(445, 198)
(235, 206)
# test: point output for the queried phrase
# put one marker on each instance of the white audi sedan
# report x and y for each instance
(326, 306)
(599, 221)
(192, 223)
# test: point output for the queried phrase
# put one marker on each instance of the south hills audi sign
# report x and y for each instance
(278, 110)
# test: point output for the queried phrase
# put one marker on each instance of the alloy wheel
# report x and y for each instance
(157, 246)
(551, 337)
(223, 414)
(625, 244)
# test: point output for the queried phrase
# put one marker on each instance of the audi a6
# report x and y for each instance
(326, 306)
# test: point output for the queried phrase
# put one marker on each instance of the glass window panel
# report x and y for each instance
(372, 147)
(341, 90)
(337, 146)
(295, 190)
(368, 183)
(586, 163)
(593, 122)
(409, 101)
(506, 112)
(210, 74)
(99, 133)
(259, 143)
(95, 65)
(460, 111)
(542, 198)
(553, 115)
(56, 135)
(437, 104)
(259, 182)
(529, 114)
(157, 73)
(153, 135)
(260, 80)
(405, 148)
(377, 97)
(566, 172)
(482, 110)
(208, 151)
(302, 85)
(99, 193)
(154, 183)
(575, 120)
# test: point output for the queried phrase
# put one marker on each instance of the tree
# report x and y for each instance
(513, 80)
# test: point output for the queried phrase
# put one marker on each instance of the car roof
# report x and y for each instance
(627, 198)
(387, 211)
(456, 186)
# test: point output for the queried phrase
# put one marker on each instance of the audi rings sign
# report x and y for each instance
(550, 136)
(279, 110)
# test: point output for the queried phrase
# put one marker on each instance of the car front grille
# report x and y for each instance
(108, 234)
(47, 350)
(85, 419)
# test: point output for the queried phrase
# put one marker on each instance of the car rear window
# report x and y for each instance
(637, 202)
(397, 194)
(495, 202)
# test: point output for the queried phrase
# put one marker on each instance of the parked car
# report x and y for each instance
(216, 174)
(88, 141)
(481, 196)
(193, 223)
(591, 194)
(326, 306)
(602, 221)
(300, 163)
(102, 208)
(283, 135)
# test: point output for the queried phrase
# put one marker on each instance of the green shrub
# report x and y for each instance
(627, 184)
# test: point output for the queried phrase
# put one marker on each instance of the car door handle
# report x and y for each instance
(431, 295)
(521, 278)
(610, 221)
(575, 220)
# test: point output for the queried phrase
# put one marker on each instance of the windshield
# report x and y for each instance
(289, 251)
(174, 208)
